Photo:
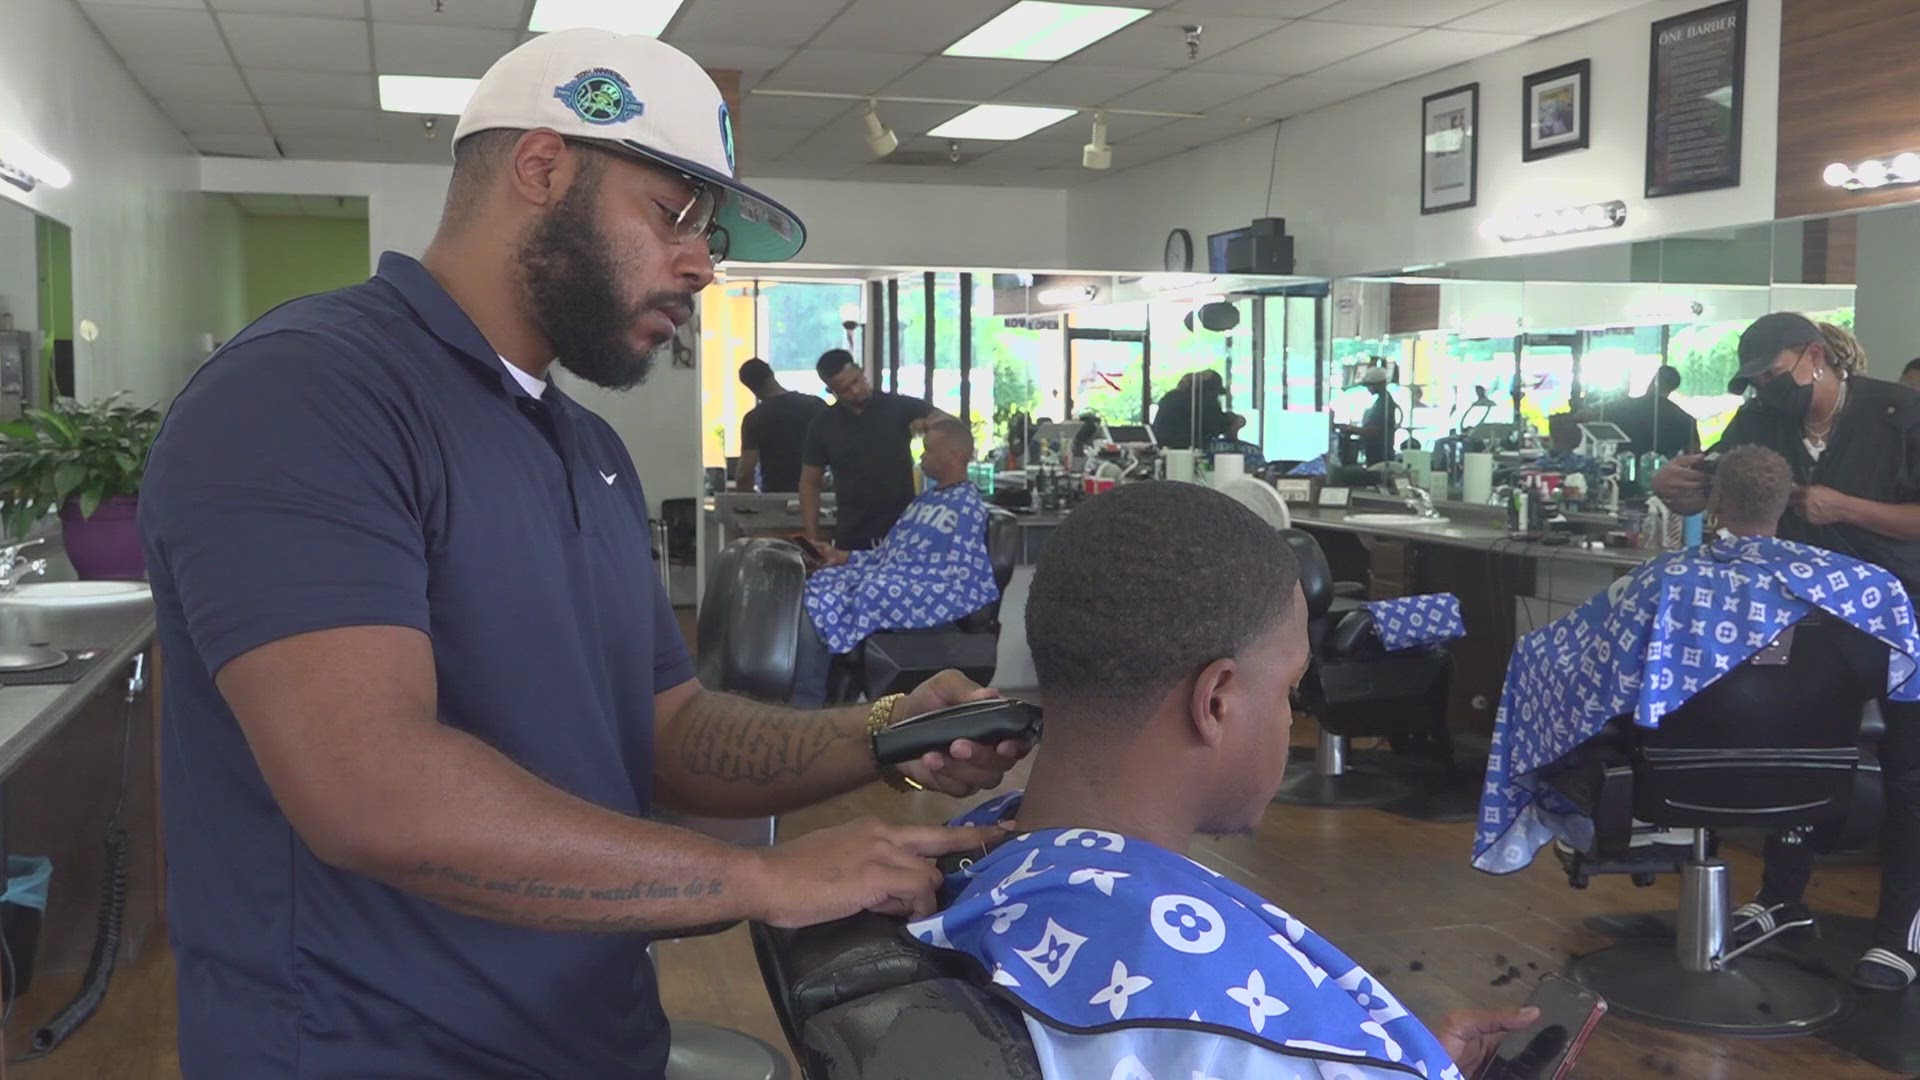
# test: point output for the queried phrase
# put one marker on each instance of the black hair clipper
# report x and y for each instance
(988, 722)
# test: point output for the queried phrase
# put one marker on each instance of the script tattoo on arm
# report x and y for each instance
(734, 739)
(488, 895)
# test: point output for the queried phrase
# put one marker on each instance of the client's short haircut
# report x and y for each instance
(1751, 488)
(953, 430)
(1913, 365)
(831, 362)
(1143, 587)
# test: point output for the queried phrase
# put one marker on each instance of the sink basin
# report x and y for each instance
(71, 594)
(1393, 519)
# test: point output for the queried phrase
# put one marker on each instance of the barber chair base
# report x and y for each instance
(705, 1052)
(1754, 997)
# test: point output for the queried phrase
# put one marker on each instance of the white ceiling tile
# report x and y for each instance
(1428, 50)
(1181, 134)
(457, 51)
(1076, 130)
(916, 26)
(907, 118)
(1539, 17)
(190, 82)
(395, 151)
(296, 121)
(1400, 12)
(177, 5)
(1300, 47)
(743, 58)
(1299, 95)
(330, 9)
(225, 145)
(753, 22)
(491, 14)
(330, 89)
(1158, 41)
(160, 35)
(298, 44)
(959, 77)
(212, 116)
(832, 143)
(1191, 91)
(1078, 85)
(1270, 9)
(846, 72)
(772, 110)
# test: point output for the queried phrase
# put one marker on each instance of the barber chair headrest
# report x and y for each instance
(1316, 580)
(1003, 545)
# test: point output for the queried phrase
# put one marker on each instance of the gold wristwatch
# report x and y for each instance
(879, 718)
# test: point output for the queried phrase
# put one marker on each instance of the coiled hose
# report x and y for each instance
(113, 900)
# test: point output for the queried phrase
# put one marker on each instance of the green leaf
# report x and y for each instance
(20, 430)
(58, 423)
(89, 500)
(67, 479)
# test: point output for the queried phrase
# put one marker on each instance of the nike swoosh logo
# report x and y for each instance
(609, 477)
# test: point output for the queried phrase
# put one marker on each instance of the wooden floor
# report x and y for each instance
(1396, 894)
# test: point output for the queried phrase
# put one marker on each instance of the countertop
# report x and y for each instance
(1465, 531)
(29, 715)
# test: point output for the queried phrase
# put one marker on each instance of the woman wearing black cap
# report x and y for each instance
(1854, 444)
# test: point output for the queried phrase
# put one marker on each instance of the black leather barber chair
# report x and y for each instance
(1773, 744)
(896, 661)
(1356, 689)
(860, 1000)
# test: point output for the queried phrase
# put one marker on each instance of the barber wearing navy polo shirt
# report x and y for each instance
(1854, 445)
(423, 683)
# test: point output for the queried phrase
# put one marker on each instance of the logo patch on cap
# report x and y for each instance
(600, 96)
(726, 135)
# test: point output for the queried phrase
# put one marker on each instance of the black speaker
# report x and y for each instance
(1257, 253)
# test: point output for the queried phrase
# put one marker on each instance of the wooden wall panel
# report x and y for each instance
(1847, 76)
(1829, 250)
(1412, 308)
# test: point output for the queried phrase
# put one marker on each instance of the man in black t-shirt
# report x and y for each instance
(774, 433)
(1653, 421)
(866, 438)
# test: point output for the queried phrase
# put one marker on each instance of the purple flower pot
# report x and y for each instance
(106, 546)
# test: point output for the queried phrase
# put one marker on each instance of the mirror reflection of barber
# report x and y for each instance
(1854, 445)
(866, 438)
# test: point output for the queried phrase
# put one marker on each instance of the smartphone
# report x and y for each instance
(807, 548)
(1546, 1051)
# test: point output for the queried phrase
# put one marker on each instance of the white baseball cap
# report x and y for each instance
(636, 93)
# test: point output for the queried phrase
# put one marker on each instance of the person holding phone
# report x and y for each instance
(1853, 443)
(1168, 628)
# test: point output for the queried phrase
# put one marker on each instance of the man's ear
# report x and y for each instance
(540, 168)
(1206, 703)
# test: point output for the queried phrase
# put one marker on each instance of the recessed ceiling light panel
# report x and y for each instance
(648, 17)
(1043, 30)
(1000, 123)
(431, 94)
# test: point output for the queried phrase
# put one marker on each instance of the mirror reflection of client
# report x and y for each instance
(1168, 628)
(931, 569)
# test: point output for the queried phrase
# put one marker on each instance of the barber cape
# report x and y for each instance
(1417, 622)
(1646, 646)
(931, 569)
(1135, 963)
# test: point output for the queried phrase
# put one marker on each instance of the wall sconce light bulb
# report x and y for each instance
(1905, 167)
(1837, 174)
(1872, 173)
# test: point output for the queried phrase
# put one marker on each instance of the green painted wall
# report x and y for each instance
(54, 250)
(290, 257)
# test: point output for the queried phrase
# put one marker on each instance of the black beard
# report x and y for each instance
(572, 287)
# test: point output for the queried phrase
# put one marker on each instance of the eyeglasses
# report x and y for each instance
(695, 219)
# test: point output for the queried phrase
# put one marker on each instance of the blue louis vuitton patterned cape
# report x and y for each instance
(930, 570)
(1413, 622)
(1173, 970)
(1648, 644)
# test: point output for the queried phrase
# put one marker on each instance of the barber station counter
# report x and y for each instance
(1506, 587)
(61, 754)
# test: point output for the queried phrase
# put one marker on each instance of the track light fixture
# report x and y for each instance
(881, 140)
(1097, 155)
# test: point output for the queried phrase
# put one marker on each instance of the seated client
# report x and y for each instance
(931, 569)
(1168, 629)
(1660, 635)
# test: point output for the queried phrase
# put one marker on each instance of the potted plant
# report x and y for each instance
(84, 462)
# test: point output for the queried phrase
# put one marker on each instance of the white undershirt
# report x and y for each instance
(531, 385)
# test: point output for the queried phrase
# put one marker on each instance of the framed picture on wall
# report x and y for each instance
(1696, 86)
(1449, 149)
(1554, 110)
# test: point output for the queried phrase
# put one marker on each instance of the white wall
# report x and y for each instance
(19, 274)
(134, 205)
(1348, 175)
(1886, 319)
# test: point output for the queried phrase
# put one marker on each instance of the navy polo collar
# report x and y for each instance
(446, 319)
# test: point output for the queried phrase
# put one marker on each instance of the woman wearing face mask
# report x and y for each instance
(1854, 445)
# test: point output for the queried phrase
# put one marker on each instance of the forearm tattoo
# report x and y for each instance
(732, 738)
(478, 891)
